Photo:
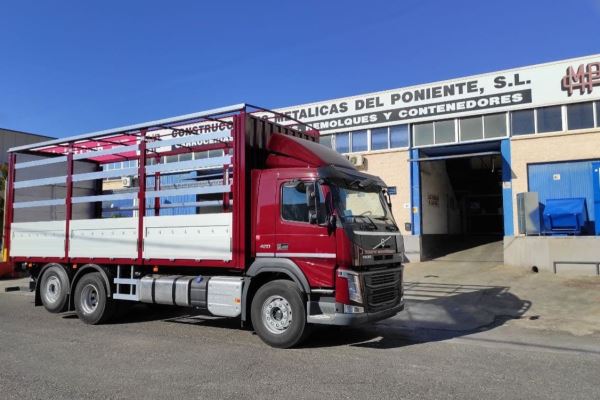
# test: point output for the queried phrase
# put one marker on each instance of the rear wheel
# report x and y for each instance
(278, 314)
(91, 300)
(54, 289)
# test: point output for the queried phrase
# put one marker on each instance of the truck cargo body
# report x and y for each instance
(220, 210)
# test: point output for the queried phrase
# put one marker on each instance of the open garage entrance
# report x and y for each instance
(461, 201)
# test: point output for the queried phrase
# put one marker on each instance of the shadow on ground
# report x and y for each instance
(434, 311)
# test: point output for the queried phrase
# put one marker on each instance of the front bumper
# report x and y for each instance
(352, 319)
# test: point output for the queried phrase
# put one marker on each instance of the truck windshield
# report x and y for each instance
(357, 203)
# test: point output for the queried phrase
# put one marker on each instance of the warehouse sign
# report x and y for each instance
(430, 110)
(540, 85)
(583, 79)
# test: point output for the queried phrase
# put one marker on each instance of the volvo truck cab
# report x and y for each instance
(335, 224)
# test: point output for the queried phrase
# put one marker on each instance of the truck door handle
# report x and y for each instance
(282, 246)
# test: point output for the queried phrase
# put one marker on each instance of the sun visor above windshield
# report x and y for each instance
(351, 178)
(314, 154)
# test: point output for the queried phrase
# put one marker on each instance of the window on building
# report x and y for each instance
(185, 157)
(522, 122)
(379, 139)
(325, 140)
(200, 154)
(423, 134)
(598, 113)
(215, 153)
(494, 125)
(549, 119)
(342, 142)
(445, 131)
(360, 141)
(580, 116)
(399, 136)
(471, 128)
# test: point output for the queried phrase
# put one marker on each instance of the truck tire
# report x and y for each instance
(278, 314)
(54, 289)
(91, 300)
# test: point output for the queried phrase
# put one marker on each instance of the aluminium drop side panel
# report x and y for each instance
(97, 238)
(38, 239)
(188, 237)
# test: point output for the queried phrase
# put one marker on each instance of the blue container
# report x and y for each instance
(565, 216)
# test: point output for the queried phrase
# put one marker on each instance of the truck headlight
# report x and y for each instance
(354, 288)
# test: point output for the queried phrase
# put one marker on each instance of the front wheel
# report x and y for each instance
(278, 314)
(91, 300)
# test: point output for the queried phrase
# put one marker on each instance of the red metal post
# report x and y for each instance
(141, 195)
(226, 181)
(239, 192)
(8, 203)
(68, 197)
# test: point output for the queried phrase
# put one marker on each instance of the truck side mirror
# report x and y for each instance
(388, 199)
(332, 222)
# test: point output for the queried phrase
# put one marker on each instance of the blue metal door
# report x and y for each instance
(596, 177)
(564, 180)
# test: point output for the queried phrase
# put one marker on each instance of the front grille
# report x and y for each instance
(383, 289)
(384, 295)
(381, 278)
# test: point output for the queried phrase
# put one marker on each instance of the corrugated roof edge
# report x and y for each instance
(164, 121)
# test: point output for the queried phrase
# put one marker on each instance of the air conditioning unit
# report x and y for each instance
(127, 181)
(358, 161)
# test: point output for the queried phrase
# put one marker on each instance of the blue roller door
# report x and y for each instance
(564, 180)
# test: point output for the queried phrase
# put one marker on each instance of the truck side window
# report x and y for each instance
(293, 201)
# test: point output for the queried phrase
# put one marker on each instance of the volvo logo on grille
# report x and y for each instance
(382, 242)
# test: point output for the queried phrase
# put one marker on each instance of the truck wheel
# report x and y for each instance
(54, 289)
(91, 300)
(278, 314)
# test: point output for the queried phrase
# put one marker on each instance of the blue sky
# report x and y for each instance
(69, 67)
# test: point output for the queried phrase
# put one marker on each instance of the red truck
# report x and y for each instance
(225, 211)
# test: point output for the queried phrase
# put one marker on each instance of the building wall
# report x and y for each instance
(560, 254)
(10, 138)
(394, 168)
(540, 148)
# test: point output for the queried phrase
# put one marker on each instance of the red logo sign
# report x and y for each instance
(583, 79)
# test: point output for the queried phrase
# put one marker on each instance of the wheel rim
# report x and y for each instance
(53, 289)
(89, 298)
(276, 314)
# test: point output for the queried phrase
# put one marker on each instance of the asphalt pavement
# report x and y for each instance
(170, 353)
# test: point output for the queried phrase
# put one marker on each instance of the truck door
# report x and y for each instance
(302, 233)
